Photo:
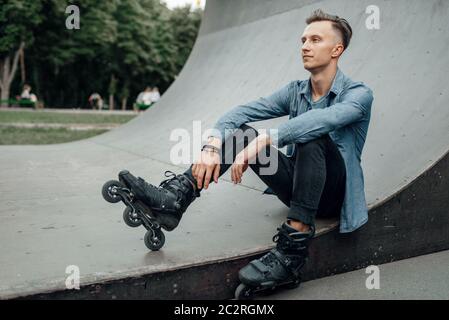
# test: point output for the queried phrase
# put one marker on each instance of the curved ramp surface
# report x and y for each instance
(53, 215)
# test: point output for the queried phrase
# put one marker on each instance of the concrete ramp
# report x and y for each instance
(52, 213)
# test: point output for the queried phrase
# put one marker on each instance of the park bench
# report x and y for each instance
(26, 103)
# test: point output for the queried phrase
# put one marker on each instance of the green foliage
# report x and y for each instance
(17, 19)
(185, 24)
(140, 42)
(59, 46)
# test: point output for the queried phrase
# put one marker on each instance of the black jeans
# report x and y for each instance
(311, 183)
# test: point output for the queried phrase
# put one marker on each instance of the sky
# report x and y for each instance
(176, 3)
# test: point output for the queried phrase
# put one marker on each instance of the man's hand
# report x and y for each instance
(207, 166)
(238, 167)
(250, 152)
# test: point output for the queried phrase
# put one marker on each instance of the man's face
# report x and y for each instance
(320, 44)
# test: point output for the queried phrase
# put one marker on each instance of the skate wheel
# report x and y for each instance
(131, 218)
(243, 292)
(109, 191)
(154, 239)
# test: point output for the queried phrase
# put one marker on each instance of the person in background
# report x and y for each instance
(27, 95)
(156, 95)
(144, 99)
(95, 101)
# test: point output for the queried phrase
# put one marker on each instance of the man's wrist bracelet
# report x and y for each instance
(209, 147)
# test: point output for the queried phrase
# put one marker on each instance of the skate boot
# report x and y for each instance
(279, 267)
(168, 201)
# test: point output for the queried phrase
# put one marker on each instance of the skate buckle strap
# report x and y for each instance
(286, 262)
(286, 242)
(259, 266)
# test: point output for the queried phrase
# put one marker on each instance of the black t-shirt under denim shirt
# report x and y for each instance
(319, 104)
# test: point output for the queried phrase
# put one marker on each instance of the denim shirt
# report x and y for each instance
(344, 115)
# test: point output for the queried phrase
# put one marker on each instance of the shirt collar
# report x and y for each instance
(337, 85)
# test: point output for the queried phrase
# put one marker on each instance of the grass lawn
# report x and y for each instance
(36, 116)
(16, 135)
(9, 136)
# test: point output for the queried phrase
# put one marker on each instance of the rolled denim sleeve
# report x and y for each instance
(274, 106)
(355, 105)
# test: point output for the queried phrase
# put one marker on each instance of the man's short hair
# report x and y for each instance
(339, 24)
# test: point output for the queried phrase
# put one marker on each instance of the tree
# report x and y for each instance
(184, 24)
(112, 90)
(144, 48)
(70, 64)
(17, 21)
(121, 47)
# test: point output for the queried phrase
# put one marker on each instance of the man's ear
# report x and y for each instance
(337, 50)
